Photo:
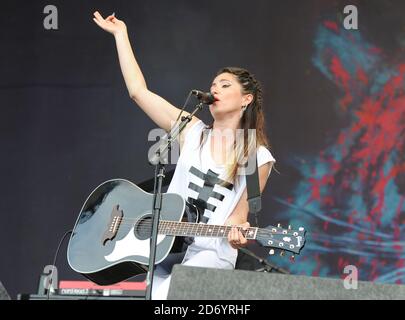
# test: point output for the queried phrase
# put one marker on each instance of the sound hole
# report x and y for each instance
(143, 227)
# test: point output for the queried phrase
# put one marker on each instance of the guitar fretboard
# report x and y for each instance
(188, 229)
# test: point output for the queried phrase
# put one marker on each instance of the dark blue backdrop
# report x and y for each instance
(67, 122)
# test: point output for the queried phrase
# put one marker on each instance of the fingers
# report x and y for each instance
(98, 16)
(107, 24)
(242, 239)
(236, 238)
(96, 21)
(232, 238)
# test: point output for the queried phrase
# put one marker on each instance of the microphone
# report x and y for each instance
(205, 97)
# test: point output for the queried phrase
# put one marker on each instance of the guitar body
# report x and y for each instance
(111, 237)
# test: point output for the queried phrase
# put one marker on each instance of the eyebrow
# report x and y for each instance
(222, 80)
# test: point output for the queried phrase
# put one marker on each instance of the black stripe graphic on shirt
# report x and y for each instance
(207, 190)
(210, 178)
(214, 194)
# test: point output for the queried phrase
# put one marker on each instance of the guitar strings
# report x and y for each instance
(126, 222)
(260, 233)
(179, 231)
(147, 228)
(146, 225)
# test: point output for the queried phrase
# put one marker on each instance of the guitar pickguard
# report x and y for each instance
(131, 246)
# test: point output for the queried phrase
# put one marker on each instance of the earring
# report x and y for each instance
(242, 111)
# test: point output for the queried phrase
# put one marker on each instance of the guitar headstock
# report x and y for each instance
(284, 239)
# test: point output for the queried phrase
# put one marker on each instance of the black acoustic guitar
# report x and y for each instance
(111, 238)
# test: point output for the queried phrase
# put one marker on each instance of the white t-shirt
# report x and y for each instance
(197, 180)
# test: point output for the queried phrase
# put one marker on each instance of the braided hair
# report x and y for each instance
(252, 118)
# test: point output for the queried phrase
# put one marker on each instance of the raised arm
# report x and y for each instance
(158, 109)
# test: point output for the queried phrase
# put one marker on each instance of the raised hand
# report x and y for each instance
(110, 24)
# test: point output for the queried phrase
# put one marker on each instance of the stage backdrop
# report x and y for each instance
(334, 103)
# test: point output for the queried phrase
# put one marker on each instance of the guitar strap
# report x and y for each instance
(253, 188)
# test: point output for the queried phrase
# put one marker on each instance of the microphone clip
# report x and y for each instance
(204, 97)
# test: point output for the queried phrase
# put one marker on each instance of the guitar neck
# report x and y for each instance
(188, 229)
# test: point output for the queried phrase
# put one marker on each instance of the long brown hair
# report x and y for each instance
(252, 118)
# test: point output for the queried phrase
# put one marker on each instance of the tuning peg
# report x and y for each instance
(292, 258)
(282, 254)
(301, 229)
(271, 252)
(289, 227)
(278, 225)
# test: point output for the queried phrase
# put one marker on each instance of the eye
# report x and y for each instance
(226, 85)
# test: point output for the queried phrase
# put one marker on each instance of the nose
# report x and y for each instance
(214, 89)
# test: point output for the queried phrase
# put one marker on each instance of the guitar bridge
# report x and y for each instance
(113, 226)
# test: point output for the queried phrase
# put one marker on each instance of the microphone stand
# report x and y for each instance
(157, 192)
(267, 266)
